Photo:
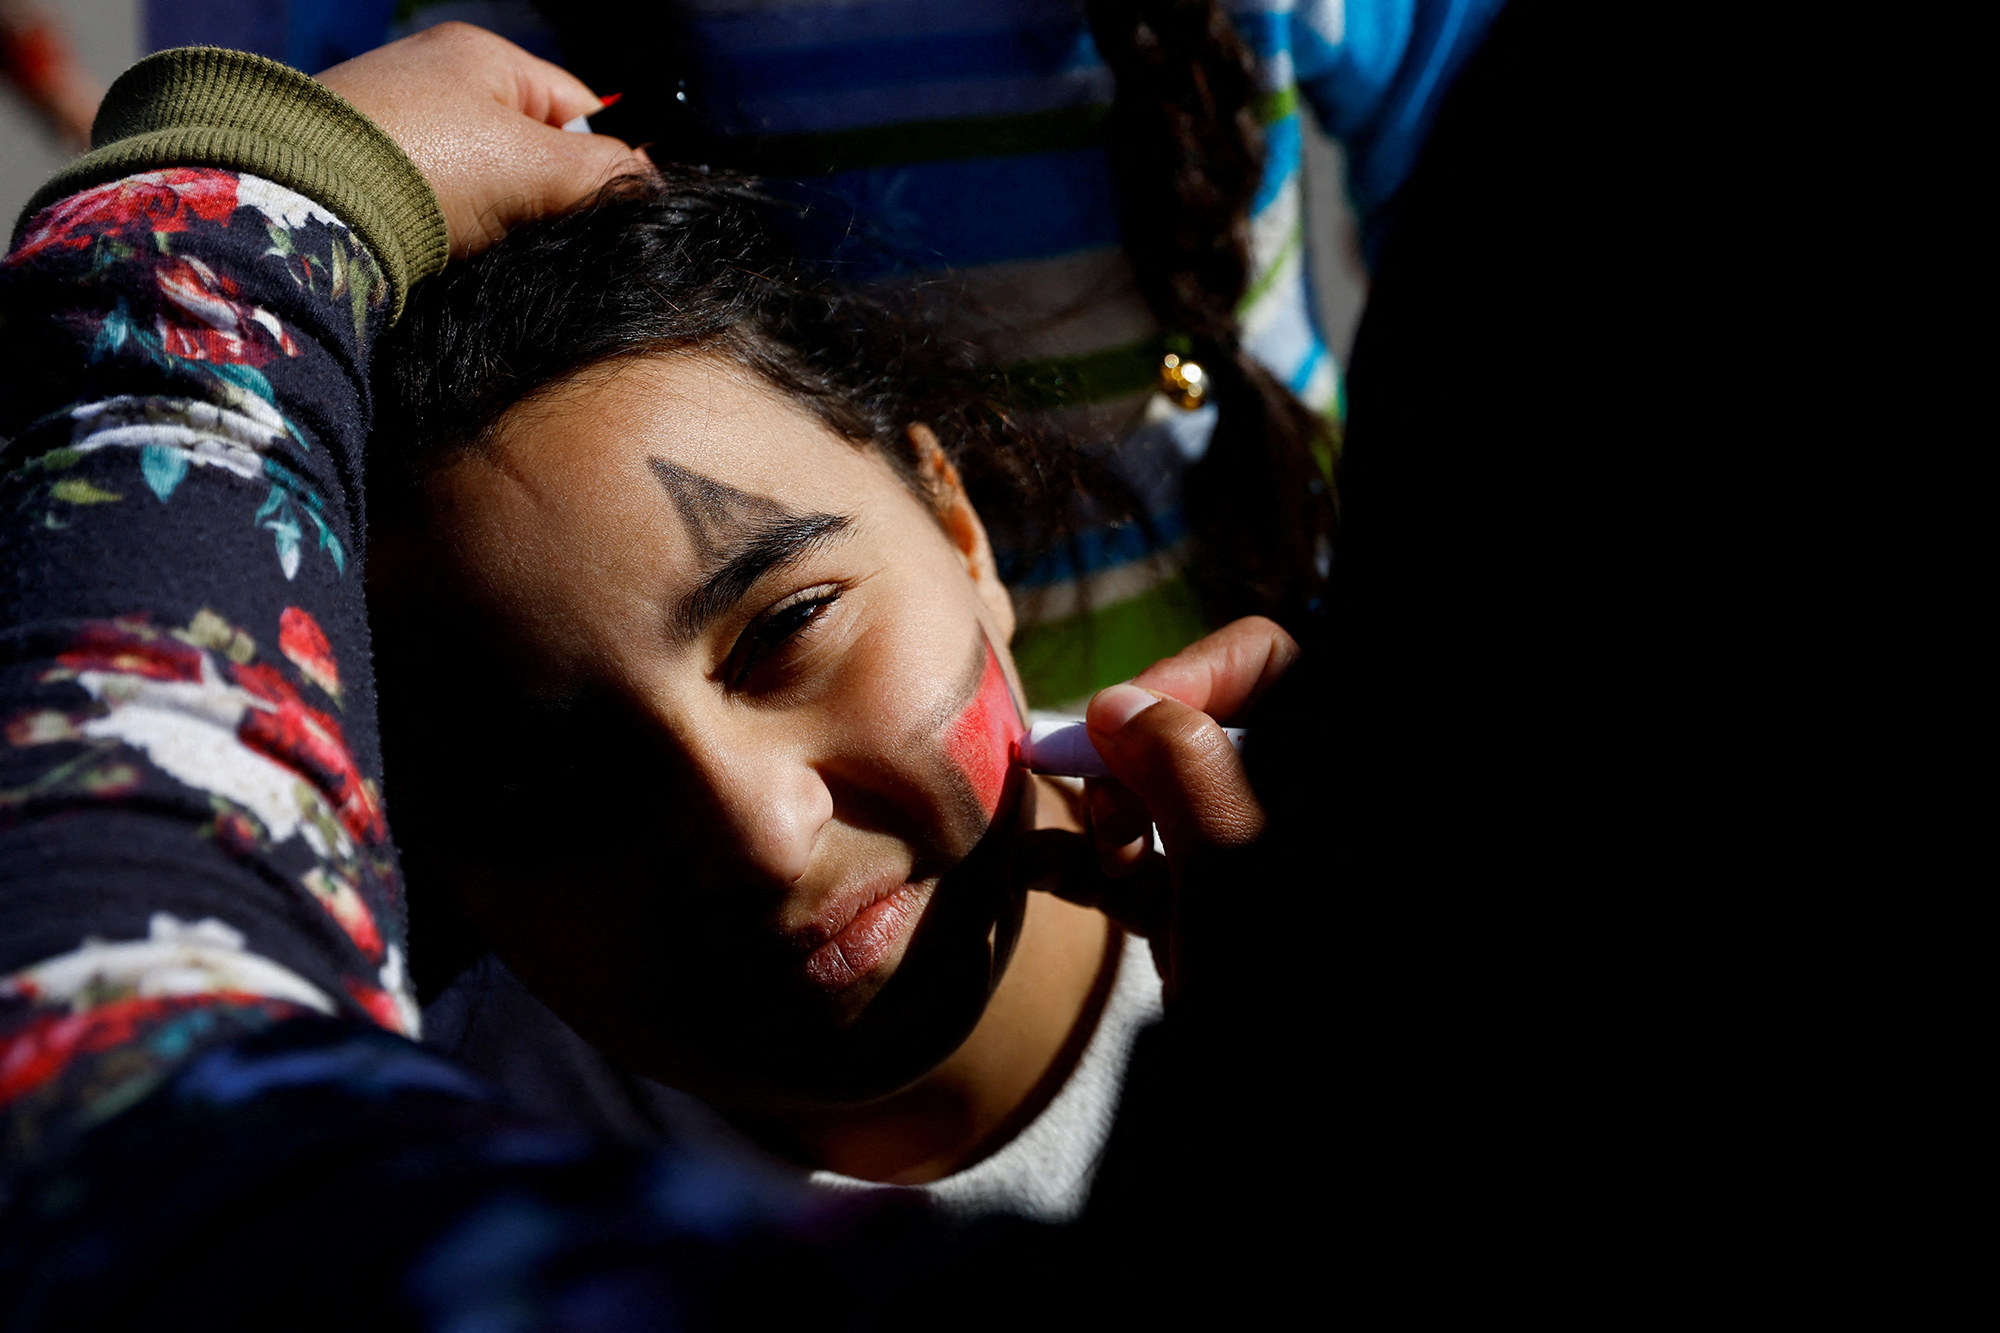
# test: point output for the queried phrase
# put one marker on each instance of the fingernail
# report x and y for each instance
(609, 100)
(1115, 705)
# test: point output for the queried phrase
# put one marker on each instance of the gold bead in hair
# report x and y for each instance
(1184, 381)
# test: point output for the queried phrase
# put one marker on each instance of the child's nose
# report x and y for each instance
(771, 806)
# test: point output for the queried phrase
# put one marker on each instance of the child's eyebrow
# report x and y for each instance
(737, 537)
(777, 543)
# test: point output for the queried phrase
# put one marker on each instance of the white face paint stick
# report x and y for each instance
(581, 124)
(1060, 747)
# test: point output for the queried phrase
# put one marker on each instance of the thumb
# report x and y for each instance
(1179, 762)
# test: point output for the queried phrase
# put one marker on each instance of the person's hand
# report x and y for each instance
(1175, 769)
(482, 120)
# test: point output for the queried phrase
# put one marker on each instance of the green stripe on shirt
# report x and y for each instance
(1082, 380)
(1275, 106)
(1262, 286)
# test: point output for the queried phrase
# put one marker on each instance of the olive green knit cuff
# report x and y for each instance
(200, 106)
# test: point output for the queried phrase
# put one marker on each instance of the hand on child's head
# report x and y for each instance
(482, 119)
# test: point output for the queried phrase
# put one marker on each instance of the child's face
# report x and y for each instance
(761, 711)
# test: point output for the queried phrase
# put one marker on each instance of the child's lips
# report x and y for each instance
(860, 931)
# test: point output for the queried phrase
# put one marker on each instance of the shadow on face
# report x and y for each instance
(704, 712)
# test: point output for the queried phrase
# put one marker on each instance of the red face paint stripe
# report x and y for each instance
(980, 741)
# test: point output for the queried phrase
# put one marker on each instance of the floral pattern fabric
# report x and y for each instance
(139, 241)
(192, 837)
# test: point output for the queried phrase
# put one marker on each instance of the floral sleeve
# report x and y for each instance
(192, 840)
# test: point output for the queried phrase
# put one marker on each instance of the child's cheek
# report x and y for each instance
(980, 740)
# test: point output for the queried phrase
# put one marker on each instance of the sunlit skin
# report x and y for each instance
(780, 872)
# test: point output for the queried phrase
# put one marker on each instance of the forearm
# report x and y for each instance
(192, 839)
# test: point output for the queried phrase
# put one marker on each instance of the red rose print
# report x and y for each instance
(108, 645)
(302, 738)
(153, 201)
(302, 641)
(343, 902)
(202, 322)
(285, 728)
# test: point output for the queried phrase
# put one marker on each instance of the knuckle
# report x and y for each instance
(1191, 734)
(462, 37)
(1226, 819)
(1198, 754)
(1212, 789)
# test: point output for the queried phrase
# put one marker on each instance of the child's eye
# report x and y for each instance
(774, 631)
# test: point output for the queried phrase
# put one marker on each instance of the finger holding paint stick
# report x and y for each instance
(1172, 765)
(1061, 748)
(1219, 676)
(1119, 824)
(1181, 765)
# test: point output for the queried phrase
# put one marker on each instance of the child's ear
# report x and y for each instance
(962, 526)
